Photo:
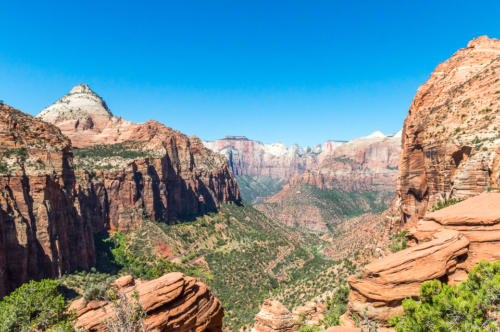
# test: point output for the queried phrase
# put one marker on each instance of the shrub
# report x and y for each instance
(441, 204)
(35, 306)
(128, 314)
(399, 241)
(336, 306)
(464, 307)
(95, 291)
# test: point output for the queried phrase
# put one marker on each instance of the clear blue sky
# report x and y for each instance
(291, 71)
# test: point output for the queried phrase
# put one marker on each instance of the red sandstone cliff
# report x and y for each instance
(451, 138)
(178, 178)
(42, 233)
(332, 164)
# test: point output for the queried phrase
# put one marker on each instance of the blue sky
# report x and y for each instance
(291, 71)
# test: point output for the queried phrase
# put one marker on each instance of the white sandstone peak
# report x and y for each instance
(81, 102)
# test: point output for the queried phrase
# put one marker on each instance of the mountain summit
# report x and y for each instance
(81, 103)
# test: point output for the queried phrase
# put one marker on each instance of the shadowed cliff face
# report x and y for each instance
(451, 137)
(41, 231)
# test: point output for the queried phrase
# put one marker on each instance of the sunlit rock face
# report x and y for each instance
(451, 137)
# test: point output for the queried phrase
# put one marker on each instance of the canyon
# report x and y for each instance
(447, 199)
(319, 214)
(304, 187)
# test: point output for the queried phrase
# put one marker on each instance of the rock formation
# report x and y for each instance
(172, 303)
(376, 152)
(451, 141)
(146, 170)
(274, 316)
(42, 233)
(446, 244)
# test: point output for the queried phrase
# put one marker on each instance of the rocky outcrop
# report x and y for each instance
(147, 171)
(446, 244)
(173, 302)
(273, 316)
(450, 140)
(42, 233)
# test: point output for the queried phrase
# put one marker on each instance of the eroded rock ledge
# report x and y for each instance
(173, 302)
(445, 245)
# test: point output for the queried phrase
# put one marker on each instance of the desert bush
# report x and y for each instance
(469, 306)
(399, 241)
(35, 306)
(441, 204)
(128, 314)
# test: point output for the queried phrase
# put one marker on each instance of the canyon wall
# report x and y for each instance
(53, 198)
(451, 137)
(372, 155)
(42, 233)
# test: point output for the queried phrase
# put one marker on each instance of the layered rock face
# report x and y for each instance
(451, 141)
(446, 244)
(148, 170)
(42, 233)
(252, 158)
(173, 302)
(366, 163)
(335, 162)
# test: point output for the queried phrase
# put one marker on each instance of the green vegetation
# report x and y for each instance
(243, 257)
(399, 241)
(469, 306)
(441, 204)
(106, 156)
(336, 305)
(35, 306)
(254, 187)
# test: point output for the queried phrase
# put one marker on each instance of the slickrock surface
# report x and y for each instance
(448, 243)
(167, 175)
(173, 302)
(451, 137)
(274, 316)
(41, 231)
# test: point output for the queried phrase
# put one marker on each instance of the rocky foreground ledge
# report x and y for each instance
(173, 302)
(444, 245)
